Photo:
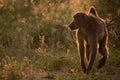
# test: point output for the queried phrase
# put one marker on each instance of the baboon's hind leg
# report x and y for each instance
(103, 50)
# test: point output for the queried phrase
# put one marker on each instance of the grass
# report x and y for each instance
(53, 66)
(42, 24)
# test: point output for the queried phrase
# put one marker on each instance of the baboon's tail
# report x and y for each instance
(93, 11)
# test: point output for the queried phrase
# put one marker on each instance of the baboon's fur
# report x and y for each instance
(93, 11)
(90, 30)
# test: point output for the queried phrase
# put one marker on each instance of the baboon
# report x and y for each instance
(92, 38)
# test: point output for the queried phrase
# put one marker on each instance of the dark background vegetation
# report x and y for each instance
(35, 43)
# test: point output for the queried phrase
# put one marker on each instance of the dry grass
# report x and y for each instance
(36, 45)
(49, 66)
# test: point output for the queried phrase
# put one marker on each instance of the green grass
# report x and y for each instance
(35, 43)
(53, 66)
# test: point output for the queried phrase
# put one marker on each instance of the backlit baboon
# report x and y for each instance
(92, 38)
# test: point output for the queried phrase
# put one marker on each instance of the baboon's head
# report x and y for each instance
(78, 20)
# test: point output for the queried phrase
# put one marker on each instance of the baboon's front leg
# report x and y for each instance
(82, 53)
(87, 53)
(93, 52)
